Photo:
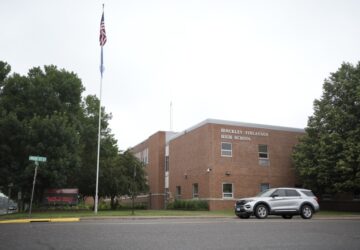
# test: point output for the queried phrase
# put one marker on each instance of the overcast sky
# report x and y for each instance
(248, 61)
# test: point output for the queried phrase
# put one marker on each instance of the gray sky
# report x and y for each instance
(248, 61)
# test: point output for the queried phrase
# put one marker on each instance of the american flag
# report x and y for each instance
(102, 37)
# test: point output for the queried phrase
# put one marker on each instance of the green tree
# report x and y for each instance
(328, 156)
(116, 168)
(89, 141)
(39, 116)
(43, 113)
(135, 172)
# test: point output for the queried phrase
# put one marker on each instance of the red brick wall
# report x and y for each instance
(189, 158)
(155, 167)
(195, 151)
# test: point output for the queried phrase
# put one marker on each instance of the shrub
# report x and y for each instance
(193, 205)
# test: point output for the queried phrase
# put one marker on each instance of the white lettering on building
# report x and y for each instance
(241, 135)
(226, 137)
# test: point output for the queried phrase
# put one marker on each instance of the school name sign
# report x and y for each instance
(241, 135)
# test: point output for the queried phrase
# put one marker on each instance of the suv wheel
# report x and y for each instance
(306, 212)
(261, 211)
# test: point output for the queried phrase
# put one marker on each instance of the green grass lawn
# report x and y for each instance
(128, 213)
(110, 213)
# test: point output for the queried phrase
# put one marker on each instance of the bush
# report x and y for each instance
(193, 205)
(103, 206)
(138, 206)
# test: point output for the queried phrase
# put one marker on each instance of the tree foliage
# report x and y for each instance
(39, 117)
(328, 156)
(43, 113)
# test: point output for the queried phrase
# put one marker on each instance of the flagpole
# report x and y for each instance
(102, 43)
(98, 148)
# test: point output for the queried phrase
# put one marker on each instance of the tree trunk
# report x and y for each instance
(112, 202)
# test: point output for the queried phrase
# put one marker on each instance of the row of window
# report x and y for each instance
(143, 156)
(226, 151)
(227, 190)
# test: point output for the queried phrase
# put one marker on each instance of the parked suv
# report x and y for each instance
(278, 201)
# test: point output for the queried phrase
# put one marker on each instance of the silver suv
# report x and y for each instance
(279, 201)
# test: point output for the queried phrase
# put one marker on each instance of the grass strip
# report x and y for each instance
(150, 213)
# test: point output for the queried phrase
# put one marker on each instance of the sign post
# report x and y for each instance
(37, 159)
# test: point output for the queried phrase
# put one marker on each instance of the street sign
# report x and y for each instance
(37, 158)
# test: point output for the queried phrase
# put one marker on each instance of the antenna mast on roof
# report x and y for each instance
(171, 116)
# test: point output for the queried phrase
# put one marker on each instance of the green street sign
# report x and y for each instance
(37, 158)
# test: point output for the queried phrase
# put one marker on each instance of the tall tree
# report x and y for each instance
(134, 171)
(42, 113)
(116, 168)
(328, 156)
(89, 139)
(39, 116)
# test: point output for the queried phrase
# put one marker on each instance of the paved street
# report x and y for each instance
(228, 233)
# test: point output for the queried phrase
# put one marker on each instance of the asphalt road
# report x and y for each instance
(184, 234)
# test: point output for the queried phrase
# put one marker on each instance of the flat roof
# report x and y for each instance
(234, 123)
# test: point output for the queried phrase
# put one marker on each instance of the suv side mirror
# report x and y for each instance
(274, 195)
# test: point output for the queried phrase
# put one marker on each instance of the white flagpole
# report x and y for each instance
(99, 132)
(98, 151)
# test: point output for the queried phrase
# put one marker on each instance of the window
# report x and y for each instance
(227, 190)
(226, 149)
(290, 192)
(264, 186)
(195, 190)
(178, 192)
(308, 193)
(166, 163)
(263, 155)
(167, 194)
(279, 193)
(146, 156)
(143, 156)
(263, 152)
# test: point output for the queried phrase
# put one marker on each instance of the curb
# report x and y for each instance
(18, 221)
(40, 220)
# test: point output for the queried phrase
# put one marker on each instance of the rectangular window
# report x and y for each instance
(263, 152)
(226, 149)
(166, 163)
(227, 190)
(263, 155)
(143, 156)
(291, 192)
(264, 186)
(146, 156)
(279, 193)
(178, 192)
(195, 190)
